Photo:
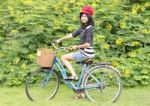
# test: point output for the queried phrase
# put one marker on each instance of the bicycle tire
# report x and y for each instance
(101, 85)
(39, 88)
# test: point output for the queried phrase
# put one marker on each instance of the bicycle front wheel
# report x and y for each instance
(42, 84)
(103, 84)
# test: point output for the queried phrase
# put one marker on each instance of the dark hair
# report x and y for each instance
(90, 21)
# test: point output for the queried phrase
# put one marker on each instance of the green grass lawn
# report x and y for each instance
(130, 97)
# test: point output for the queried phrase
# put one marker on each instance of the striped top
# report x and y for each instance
(86, 36)
(88, 52)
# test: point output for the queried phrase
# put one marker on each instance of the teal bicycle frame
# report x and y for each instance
(77, 86)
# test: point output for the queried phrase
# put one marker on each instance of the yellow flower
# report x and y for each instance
(44, 8)
(16, 60)
(136, 43)
(31, 56)
(2, 21)
(10, 8)
(134, 11)
(79, 3)
(146, 31)
(144, 71)
(115, 2)
(41, 27)
(56, 7)
(94, 5)
(145, 77)
(146, 20)
(126, 72)
(74, 18)
(122, 24)
(147, 4)
(23, 66)
(110, 75)
(14, 31)
(72, 1)
(142, 8)
(27, 2)
(109, 27)
(106, 46)
(132, 54)
(119, 41)
(97, 1)
(66, 10)
(135, 8)
(56, 23)
(111, 6)
(11, 13)
(115, 64)
(100, 38)
(69, 28)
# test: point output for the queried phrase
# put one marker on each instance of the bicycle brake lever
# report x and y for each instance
(60, 44)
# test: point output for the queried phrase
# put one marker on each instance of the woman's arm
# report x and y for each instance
(64, 38)
(85, 45)
(74, 34)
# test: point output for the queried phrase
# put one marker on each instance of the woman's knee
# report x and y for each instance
(66, 57)
(63, 58)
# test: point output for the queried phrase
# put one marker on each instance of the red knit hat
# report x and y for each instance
(87, 10)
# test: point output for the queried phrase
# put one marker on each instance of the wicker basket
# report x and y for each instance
(45, 57)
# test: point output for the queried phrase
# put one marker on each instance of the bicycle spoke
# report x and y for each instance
(109, 85)
(42, 85)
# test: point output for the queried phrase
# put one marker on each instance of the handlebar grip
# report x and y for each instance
(60, 43)
(54, 41)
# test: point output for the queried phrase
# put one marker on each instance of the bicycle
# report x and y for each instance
(100, 82)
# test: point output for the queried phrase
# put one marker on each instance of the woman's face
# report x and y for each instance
(84, 18)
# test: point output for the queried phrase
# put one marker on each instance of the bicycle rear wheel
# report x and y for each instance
(42, 84)
(103, 84)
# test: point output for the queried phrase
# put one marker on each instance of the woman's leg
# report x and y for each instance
(69, 57)
(65, 59)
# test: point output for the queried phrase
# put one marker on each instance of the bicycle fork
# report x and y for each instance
(46, 78)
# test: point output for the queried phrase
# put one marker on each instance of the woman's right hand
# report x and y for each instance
(74, 47)
(58, 41)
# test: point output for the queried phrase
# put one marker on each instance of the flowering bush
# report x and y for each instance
(122, 30)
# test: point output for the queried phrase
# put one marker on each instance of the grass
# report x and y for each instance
(139, 96)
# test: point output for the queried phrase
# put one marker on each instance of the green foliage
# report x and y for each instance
(122, 30)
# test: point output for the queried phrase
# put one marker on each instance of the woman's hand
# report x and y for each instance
(73, 47)
(58, 41)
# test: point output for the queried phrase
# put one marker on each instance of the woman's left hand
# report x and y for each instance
(74, 47)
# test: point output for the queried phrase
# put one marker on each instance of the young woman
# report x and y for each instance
(85, 47)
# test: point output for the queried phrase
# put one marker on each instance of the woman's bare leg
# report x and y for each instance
(66, 58)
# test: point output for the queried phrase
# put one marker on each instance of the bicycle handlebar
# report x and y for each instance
(58, 48)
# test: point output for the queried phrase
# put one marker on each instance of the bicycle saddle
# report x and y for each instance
(88, 61)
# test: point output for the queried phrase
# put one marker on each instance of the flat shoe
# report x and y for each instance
(79, 96)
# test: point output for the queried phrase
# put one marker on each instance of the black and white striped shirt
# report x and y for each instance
(88, 52)
(86, 36)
